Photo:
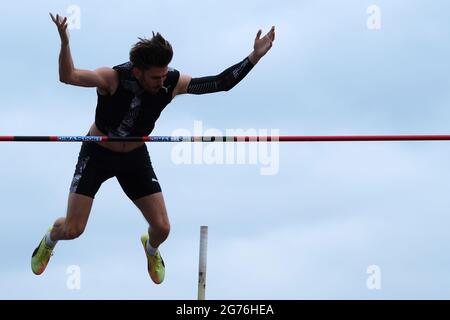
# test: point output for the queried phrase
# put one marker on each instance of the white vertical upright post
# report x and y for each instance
(202, 262)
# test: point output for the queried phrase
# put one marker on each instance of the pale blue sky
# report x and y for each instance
(308, 232)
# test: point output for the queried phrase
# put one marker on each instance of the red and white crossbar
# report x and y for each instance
(417, 137)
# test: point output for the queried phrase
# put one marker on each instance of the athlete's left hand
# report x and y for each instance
(263, 45)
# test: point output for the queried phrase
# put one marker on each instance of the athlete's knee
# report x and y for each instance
(166, 229)
(162, 228)
(73, 232)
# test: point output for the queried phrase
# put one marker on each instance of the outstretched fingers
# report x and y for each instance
(271, 34)
(258, 35)
(58, 20)
(53, 18)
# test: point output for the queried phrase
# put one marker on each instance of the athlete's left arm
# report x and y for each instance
(231, 76)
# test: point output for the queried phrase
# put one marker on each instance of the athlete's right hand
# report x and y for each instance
(61, 23)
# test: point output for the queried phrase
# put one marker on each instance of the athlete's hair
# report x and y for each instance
(154, 52)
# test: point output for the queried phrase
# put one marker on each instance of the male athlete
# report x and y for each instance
(131, 96)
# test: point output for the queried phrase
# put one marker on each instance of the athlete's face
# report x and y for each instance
(152, 79)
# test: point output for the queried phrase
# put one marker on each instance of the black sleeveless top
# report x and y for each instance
(131, 111)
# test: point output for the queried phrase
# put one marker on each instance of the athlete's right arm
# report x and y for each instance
(105, 79)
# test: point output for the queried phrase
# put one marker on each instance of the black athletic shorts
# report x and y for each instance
(97, 164)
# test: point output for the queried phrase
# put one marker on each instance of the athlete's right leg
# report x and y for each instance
(70, 227)
(92, 169)
(73, 225)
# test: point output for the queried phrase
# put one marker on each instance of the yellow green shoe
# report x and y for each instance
(41, 256)
(155, 264)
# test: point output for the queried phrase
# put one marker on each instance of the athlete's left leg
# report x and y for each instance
(139, 182)
(154, 210)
